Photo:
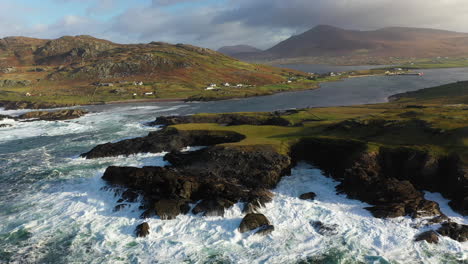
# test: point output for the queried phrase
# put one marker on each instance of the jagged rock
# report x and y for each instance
(261, 119)
(323, 229)
(265, 230)
(212, 207)
(55, 115)
(190, 179)
(254, 221)
(428, 236)
(170, 209)
(120, 207)
(307, 196)
(142, 230)
(128, 196)
(5, 125)
(454, 231)
(168, 139)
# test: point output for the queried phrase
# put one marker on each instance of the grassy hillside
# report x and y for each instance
(71, 70)
(422, 120)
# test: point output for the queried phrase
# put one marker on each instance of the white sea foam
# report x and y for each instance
(70, 217)
(79, 215)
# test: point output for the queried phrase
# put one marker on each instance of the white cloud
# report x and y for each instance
(261, 23)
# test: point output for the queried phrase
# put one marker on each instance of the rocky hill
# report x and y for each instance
(84, 69)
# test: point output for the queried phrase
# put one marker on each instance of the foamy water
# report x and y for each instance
(56, 209)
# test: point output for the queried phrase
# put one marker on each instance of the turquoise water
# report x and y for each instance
(54, 208)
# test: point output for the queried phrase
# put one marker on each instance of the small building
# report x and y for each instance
(239, 85)
(138, 83)
(227, 84)
(149, 93)
(210, 88)
(27, 94)
(106, 84)
(212, 85)
(289, 81)
(332, 74)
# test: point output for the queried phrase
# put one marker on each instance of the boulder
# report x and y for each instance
(213, 207)
(142, 230)
(307, 196)
(323, 229)
(254, 221)
(454, 231)
(428, 236)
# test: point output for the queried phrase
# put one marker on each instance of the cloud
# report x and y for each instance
(261, 23)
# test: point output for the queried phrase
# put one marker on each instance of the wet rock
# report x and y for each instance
(120, 207)
(323, 229)
(142, 230)
(254, 221)
(55, 115)
(212, 207)
(129, 196)
(169, 209)
(265, 230)
(5, 125)
(307, 196)
(230, 119)
(217, 176)
(428, 236)
(454, 231)
(165, 140)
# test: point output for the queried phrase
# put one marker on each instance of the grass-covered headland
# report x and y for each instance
(383, 154)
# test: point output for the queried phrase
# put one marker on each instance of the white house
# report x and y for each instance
(289, 81)
(210, 88)
(149, 93)
(138, 83)
(28, 94)
(239, 85)
(227, 84)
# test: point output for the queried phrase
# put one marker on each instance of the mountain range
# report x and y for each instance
(329, 41)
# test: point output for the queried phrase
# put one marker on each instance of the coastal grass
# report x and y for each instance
(413, 121)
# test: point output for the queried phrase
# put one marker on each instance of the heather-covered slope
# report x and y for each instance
(84, 69)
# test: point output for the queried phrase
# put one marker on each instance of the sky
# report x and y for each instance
(216, 23)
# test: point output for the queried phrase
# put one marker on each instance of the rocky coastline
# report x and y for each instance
(215, 178)
(65, 114)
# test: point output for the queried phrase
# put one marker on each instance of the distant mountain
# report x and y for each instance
(238, 49)
(331, 41)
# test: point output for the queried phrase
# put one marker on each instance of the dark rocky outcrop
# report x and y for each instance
(454, 231)
(166, 140)
(234, 119)
(47, 115)
(253, 221)
(428, 236)
(142, 230)
(390, 179)
(307, 196)
(323, 229)
(215, 178)
(55, 115)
